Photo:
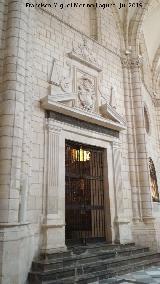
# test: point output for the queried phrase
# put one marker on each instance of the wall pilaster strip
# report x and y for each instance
(54, 132)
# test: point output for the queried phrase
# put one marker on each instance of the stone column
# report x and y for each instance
(140, 132)
(54, 208)
(14, 143)
(132, 150)
(122, 222)
(12, 110)
(139, 136)
(27, 123)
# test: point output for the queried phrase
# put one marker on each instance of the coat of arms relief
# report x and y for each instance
(86, 92)
(75, 89)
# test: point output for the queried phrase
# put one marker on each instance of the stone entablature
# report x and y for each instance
(114, 121)
(81, 124)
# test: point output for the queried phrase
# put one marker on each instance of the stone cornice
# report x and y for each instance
(107, 119)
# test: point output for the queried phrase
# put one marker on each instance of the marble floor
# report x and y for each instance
(147, 276)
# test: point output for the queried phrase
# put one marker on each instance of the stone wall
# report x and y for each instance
(31, 41)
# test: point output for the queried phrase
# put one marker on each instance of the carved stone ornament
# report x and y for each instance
(86, 93)
(84, 51)
(85, 55)
(130, 62)
(54, 126)
(61, 77)
(107, 116)
(113, 101)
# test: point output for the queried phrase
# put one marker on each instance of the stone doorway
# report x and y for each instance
(84, 198)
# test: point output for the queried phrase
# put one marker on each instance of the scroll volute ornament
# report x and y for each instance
(153, 179)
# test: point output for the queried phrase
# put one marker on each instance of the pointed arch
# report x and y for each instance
(136, 24)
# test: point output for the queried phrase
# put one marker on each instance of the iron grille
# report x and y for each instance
(84, 197)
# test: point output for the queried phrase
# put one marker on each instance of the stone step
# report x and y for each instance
(77, 250)
(85, 257)
(91, 267)
(99, 275)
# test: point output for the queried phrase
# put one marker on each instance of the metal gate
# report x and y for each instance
(84, 198)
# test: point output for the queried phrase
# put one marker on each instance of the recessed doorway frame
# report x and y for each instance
(56, 134)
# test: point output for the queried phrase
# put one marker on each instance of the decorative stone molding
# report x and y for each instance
(110, 112)
(107, 116)
(54, 126)
(131, 62)
(113, 101)
(60, 78)
(116, 145)
(82, 125)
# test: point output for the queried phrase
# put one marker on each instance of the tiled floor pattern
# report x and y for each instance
(147, 276)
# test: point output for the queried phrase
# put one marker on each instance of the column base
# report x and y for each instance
(144, 233)
(124, 231)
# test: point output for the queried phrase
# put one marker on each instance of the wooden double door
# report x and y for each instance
(84, 193)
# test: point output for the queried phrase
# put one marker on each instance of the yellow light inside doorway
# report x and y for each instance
(80, 155)
(84, 155)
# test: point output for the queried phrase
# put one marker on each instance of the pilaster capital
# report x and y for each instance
(131, 62)
(116, 145)
(54, 126)
(156, 102)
